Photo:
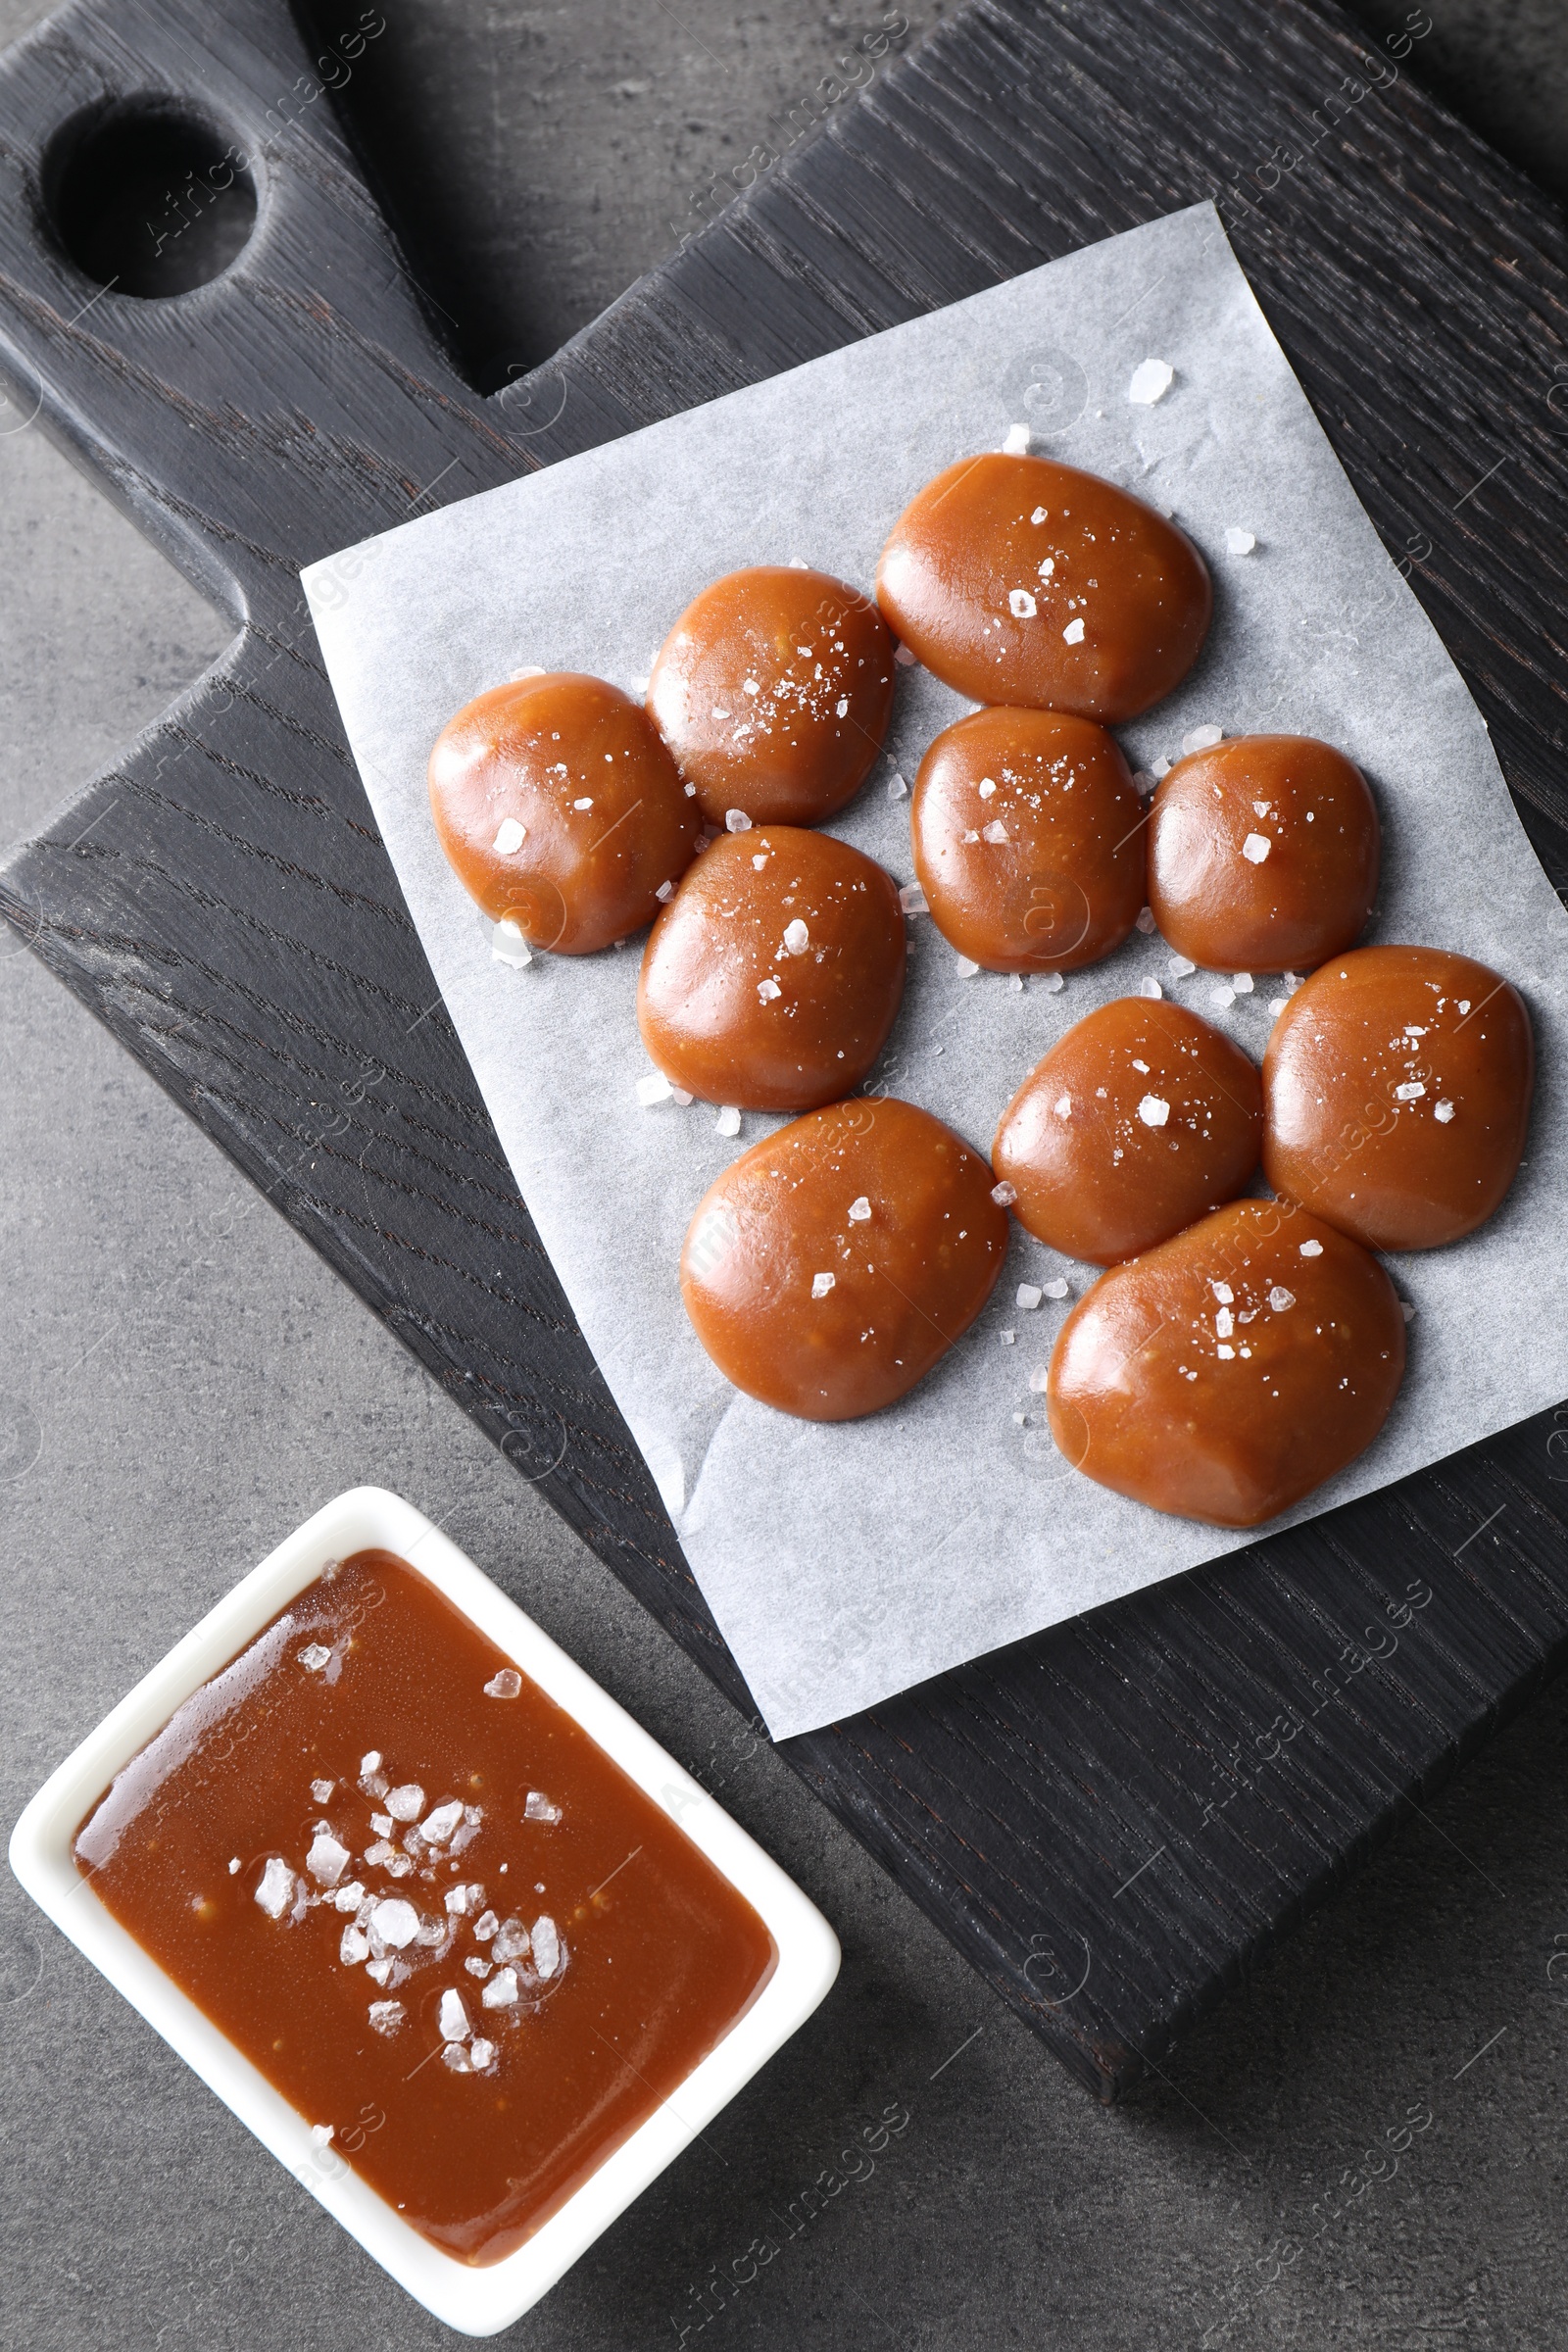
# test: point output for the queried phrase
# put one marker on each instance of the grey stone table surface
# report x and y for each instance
(181, 1382)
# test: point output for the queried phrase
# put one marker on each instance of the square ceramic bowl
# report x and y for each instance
(476, 2301)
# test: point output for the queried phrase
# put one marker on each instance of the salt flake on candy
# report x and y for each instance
(1256, 848)
(546, 1945)
(505, 1682)
(539, 1807)
(313, 1657)
(277, 1889)
(821, 1284)
(453, 2019)
(407, 1802)
(387, 2015)
(502, 1991)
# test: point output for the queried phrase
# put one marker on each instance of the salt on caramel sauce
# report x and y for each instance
(615, 1954)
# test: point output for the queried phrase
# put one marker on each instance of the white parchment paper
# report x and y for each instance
(844, 1563)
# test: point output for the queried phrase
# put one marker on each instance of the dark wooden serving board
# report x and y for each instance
(1115, 1819)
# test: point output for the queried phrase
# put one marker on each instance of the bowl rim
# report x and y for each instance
(475, 2301)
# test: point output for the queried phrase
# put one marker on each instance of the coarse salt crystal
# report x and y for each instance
(322, 1790)
(1276, 1005)
(477, 1967)
(797, 937)
(378, 1970)
(912, 899)
(485, 1925)
(1224, 1322)
(897, 790)
(451, 2022)
(501, 1993)
(405, 1803)
(986, 787)
(1029, 1296)
(1412, 1092)
(1038, 515)
(1151, 379)
(1407, 1310)
(1153, 1110)
(504, 1683)
(395, 1922)
(1442, 1111)
(586, 801)
(456, 2057)
(387, 2015)
(1256, 848)
(440, 1824)
(1056, 1289)
(1073, 633)
(995, 831)
(736, 820)
(664, 893)
(821, 1284)
(326, 1859)
(1150, 988)
(349, 1897)
(1222, 997)
(1145, 920)
(381, 1824)
(1021, 605)
(728, 1121)
(758, 862)
(353, 1947)
(1280, 1298)
(456, 1900)
(313, 1657)
(1063, 1106)
(1241, 982)
(654, 1088)
(1053, 982)
(277, 1889)
(510, 836)
(902, 656)
(860, 1211)
(546, 1945)
(538, 1807)
(1004, 1193)
(1223, 1293)
(1016, 443)
(1238, 542)
(1311, 1248)
(841, 708)
(1161, 767)
(370, 1762)
(512, 1944)
(1008, 1337)
(966, 967)
(507, 945)
(482, 2053)
(769, 989)
(1202, 739)
(1039, 1380)
(234, 1866)
(1229, 1354)
(1143, 782)
(750, 687)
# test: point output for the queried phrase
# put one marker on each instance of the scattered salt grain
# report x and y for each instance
(1056, 1289)
(405, 1803)
(1016, 443)
(1145, 920)
(1222, 997)
(1241, 982)
(476, 1967)
(912, 899)
(1017, 982)
(349, 1897)
(1161, 767)
(664, 893)
(353, 1947)
(986, 787)
(482, 2053)
(395, 1922)
(440, 1824)
(654, 1088)
(512, 1944)
(1063, 1106)
(860, 1211)
(456, 1900)
(277, 1889)
(1038, 515)
(378, 1970)
(1053, 982)
(1073, 633)
(507, 945)
(1229, 1354)
(502, 1991)
(897, 790)
(736, 820)
(1021, 605)
(841, 708)
(451, 2022)
(821, 1284)
(1029, 1296)
(456, 2057)
(387, 2015)
(1150, 988)
(381, 1824)
(1256, 848)
(485, 1925)
(1223, 1293)
(728, 1121)
(370, 1762)
(966, 967)
(1442, 1111)
(1143, 782)
(1153, 1110)
(1202, 739)
(1311, 1248)
(322, 2133)
(769, 989)
(234, 1867)
(1276, 1005)
(510, 836)
(322, 1790)
(326, 1860)
(902, 656)
(1002, 1194)
(539, 1807)
(1407, 1310)
(504, 1683)
(1224, 1322)
(1411, 1093)
(797, 937)
(313, 1657)
(995, 831)
(1280, 1298)
(1151, 379)
(1039, 1380)
(1008, 1337)
(1238, 542)
(546, 1946)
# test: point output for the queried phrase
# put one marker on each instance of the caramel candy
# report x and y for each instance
(1263, 852)
(1137, 1121)
(1019, 581)
(1396, 1092)
(1227, 1373)
(1028, 839)
(773, 691)
(560, 810)
(832, 1265)
(772, 978)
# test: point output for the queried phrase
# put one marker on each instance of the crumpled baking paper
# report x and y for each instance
(844, 1563)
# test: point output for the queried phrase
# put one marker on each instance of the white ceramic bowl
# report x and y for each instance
(478, 2302)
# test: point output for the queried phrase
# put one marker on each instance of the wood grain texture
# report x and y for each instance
(1117, 1819)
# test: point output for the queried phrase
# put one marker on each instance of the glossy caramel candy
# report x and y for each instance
(1136, 1123)
(833, 1264)
(1224, 1374)
(1028, 839)
(773, 692)
(1396, 1092)
(561, 810)
(1019, 581)
(1263, 852)
(772, 978)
